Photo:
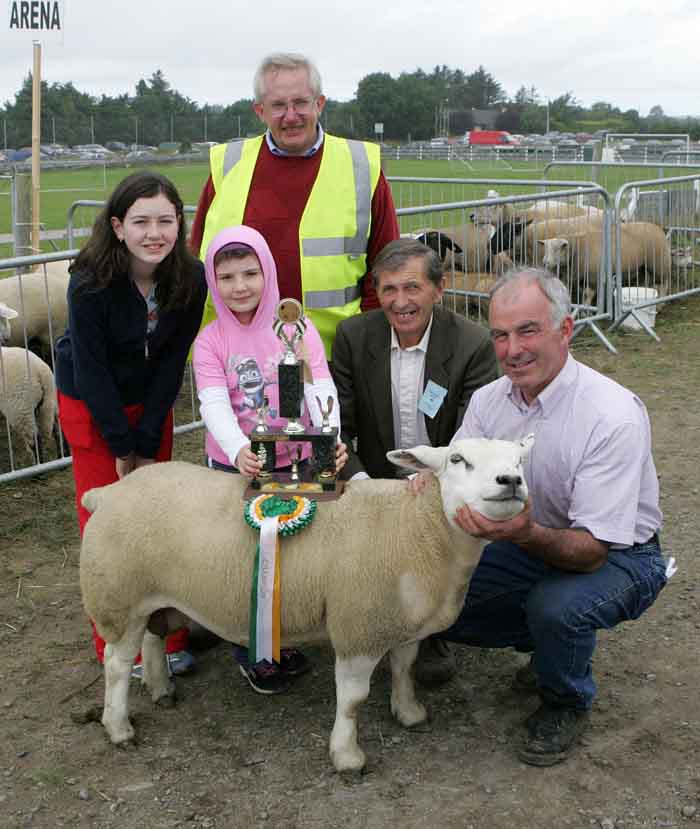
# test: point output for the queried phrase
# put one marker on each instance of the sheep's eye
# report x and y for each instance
(460, 459)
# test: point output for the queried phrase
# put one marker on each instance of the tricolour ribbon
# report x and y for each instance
(264, 638)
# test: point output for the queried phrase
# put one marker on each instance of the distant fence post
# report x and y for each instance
(22, 214)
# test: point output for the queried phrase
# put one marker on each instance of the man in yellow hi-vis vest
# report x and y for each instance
(325, 210)
(321, 202)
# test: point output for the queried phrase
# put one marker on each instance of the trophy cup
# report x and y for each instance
(318, 479)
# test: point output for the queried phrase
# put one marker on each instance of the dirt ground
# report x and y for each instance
(225, 757)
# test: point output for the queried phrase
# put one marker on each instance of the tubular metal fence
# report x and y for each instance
(574, 228)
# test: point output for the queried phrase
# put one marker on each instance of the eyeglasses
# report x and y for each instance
(301, 106)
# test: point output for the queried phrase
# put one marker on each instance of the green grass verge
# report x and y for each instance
(60, 188)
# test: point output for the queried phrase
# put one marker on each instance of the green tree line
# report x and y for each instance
(415, 105)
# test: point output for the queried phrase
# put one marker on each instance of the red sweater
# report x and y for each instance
(278, 194)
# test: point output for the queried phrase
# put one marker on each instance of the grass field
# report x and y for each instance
(61, 188)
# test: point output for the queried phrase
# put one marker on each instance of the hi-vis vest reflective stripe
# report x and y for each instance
(334, 227)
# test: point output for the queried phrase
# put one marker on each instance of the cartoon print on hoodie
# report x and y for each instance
(244, 358)
(252, 381)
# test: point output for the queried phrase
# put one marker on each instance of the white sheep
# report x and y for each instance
(27, 398)
(643, 247)
(377, 571)
(6, 314)
(523, 213)
(32, 296)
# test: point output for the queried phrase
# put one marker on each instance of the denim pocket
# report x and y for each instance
(646, 569)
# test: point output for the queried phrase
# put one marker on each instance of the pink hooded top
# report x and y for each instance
(244, 358)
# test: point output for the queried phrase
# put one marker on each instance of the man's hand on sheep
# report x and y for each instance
(517, 530)
(140, 461)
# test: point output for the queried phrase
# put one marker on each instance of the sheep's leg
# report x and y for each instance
(352, 677)
(119, 657)
(155, 670)
(404, 705)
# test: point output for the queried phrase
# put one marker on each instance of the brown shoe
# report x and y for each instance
(435, 663)
(525, 679)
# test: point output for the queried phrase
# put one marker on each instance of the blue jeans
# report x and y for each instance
(516, 600)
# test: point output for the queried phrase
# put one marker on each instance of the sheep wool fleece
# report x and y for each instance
(244, 358)
(93, 466)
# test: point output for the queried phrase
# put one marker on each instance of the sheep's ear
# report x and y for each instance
(564, 243)
(541, 241)
(526, 444)
(419, 458)
(7, 313)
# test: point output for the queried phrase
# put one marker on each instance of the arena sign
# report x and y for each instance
(39, 19)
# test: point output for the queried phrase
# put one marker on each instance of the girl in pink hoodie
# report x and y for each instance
(235, 365)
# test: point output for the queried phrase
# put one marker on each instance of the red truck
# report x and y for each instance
(490, 138)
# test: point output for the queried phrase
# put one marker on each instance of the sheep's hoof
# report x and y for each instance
(127, 745)
(125, 739)
(410, 715)
(166, 701)
(352, 777)
(348, 761)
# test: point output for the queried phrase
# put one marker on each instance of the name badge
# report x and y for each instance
(432, 399)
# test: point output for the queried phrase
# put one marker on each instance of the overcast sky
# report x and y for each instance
(631, 53)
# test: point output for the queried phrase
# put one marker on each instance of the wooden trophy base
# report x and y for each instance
(281, 484)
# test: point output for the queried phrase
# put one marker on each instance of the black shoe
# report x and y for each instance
(525, 679)
(435, 663)
(293, 663)
(265, 678)
(553, 732)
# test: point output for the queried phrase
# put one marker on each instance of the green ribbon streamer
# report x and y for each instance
(253, 632)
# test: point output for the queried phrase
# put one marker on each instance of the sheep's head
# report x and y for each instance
(485, 474)
(6, 314)
(554, 255)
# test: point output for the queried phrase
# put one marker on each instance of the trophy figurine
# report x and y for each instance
(290, 371)
(261, 426)
(325, 414)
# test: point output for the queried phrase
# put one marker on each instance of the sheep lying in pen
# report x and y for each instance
(42, 306)
(377, 570)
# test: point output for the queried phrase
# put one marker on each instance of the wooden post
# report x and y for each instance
(22, 213)
(36, 150)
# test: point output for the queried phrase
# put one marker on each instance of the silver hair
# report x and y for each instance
(553, 288)
(285, 60)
